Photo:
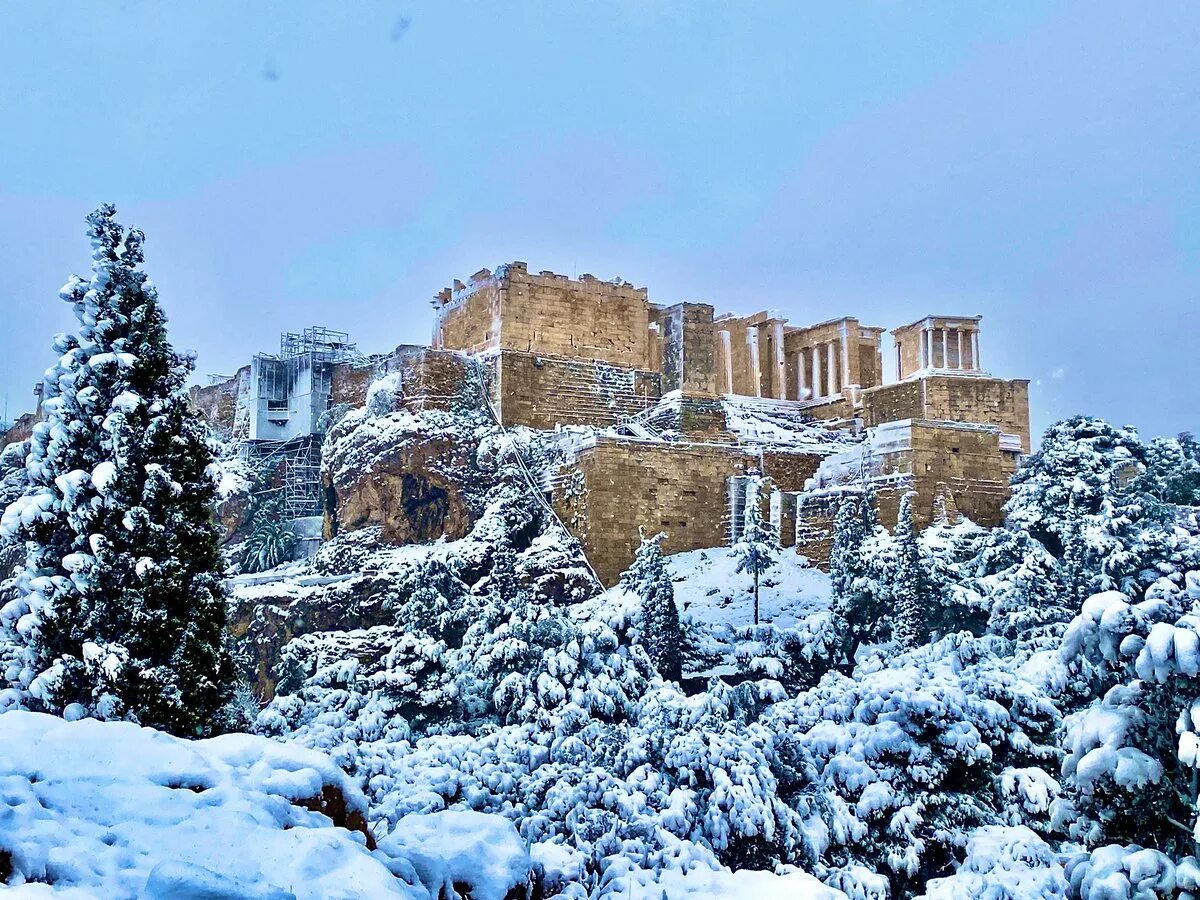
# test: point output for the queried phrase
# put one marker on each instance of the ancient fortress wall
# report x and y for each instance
(949, 398)
(681, 402)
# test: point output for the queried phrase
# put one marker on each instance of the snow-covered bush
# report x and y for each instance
(1131, 871)
(1003, 861)
(891, 768)
(1131, 752)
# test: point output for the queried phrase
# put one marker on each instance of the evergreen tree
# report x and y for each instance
(660, 629)
(758, 545)
(1075, 565)
(845, 563)
(845, 574)
(120, 608)
(912, 596)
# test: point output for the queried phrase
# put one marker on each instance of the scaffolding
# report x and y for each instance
(324, 344)
(298, 464)
(282, 408)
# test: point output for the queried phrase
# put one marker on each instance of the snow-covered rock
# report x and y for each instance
(459, 849)
(112, 810)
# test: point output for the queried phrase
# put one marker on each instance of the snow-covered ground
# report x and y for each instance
(710, 590)
(110, 810)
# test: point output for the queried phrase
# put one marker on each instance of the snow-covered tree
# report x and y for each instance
(950, 560)
(1173, 470)
(1021, 583)
(659, 629)
(119, 607)
(855, 606)
(890, 769)
(758, 545)
(910, 584)
(1132, 751)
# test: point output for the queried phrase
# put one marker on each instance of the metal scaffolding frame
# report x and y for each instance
(325, 344)
(301, 475)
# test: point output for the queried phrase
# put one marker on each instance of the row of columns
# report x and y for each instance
(822, 370)
(947, 337)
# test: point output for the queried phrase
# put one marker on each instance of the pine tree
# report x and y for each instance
(909, 581)
(849, 602)
(120, 607)
(758, 545)
(661, 632)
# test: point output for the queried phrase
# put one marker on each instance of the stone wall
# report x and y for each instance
(468, 315)
(540, 391)
(689, 349)
(218, 403)
(547, 314)
(988, 401)
(21, 430)
(968, 461)
(622, 486)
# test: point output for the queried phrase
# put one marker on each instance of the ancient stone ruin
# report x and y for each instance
(656, 413)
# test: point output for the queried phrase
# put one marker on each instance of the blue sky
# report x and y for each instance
(337, 163)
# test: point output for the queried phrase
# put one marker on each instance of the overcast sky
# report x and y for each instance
(338, 163)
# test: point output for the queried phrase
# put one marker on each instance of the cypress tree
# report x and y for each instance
(758, 545)
(909, 583)
(120, 608)
(661, 632)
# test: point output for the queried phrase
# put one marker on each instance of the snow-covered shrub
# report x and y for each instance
(1114, 871)
(1003, 861)
(1131, 752)
(891, 768)
(462, 854)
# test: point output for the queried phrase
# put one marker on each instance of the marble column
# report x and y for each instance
(815, 355)
(755, 367)
(780, 364)
(831, 361)
(801, 375)
(726, 361)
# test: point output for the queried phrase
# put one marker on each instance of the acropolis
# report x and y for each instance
(660, 410)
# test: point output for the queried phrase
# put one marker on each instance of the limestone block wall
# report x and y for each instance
(468, 315)
(540, 391)
(21, 429)
(623, 486)
(218, 403)
(548, 314)
(620, 486)
(428, 379)
(988, 401)
(688, 348)
(968, 461)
